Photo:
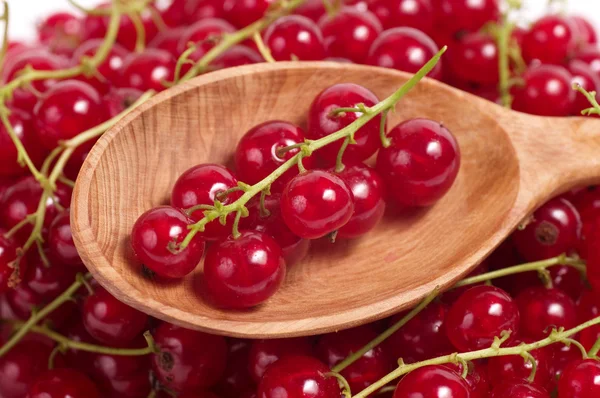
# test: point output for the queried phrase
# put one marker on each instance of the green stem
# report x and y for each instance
(23, 157)
(40, 315)
(591, 97)
(385, 141)
(308, 148)
(568, 341)
(345, 386)
(504, 35)
(527, 357)
(383, 336)
(6, 19)
(264, 212)
(517, 269)
(339, 163)
(140, 31)
(593, 352)
(491, 352)
(262, 47)
(338, 111)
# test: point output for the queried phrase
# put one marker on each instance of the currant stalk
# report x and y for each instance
(591, 97)
(503, 34)
(5, 19)
(262, 47)
(306, 149)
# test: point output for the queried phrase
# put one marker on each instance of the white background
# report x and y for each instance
(25, 13)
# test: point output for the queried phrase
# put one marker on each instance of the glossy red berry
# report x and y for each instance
(295, 37)
(423, 337)
(202, 185)
(243, 13)
(416, 14)
(514, 367)
(258, 153)
(109, 70)
(332, 348)
(350, 33)
(67, 109)
(546, 91)
(202, 9)
(236, 56)
(544, 309)
(313, 9)
(116, 101)
(580, 380)
(236, 379)
(589, 336)
(21, 366)
(479, 315)
(584, 75)
(293, 247)
(585, 31)
(591, 56)
(475, 59)
(205, 34)
(63, 383)
(60, 241)
(454, 16)
(476, 378)
(550, 40)
(111, 321)
(23, 128)
(168, 40)
(148, 70)
(243, 272)
(23, 301)
(188, 360)
(405, 49)
(298, 377)
(555, 229)
(47, 282)
(368, 192)
(588, 306)
(61, 32)
(263, 353)
(432, 381)
(514, 389)
(568, 280)
(421, 163)
(562, 355)
(316, 203)
(155, 237)
(323, 121)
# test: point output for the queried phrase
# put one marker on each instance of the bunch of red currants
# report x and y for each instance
(95, 345)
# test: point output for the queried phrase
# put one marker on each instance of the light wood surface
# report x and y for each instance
(511, 163)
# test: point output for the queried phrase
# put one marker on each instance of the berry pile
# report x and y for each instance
(529, 330)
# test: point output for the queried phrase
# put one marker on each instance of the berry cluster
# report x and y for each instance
(507, 330)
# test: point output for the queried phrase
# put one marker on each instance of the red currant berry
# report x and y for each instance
(148, 70)
(550, 40)
(544, 309)
(580, 380)
(295, 37)
(454, 16)
(316, 203)
(23, 128)
(263, 353)
(116, 101)
(205, 34)
(350, 33)
(546, 91)
(188, 360)
(494, 311)
(168, 40)
(237, 56)
(23, 98)
(155, 237)
(405, 49)
(243, 272)
(514, 389)
(258, 153)
(591, 56)
(47, 282)
(67, 109)
(476, 378)
(423, 337)
(63, 383)
(416, 14)
(589, 336)
(111, 321)
(334, 347)
(8, 254)
(432, 381)
(21, 366)
(313, 9)
(568, 280)
(109, 70)
(562, 355)
(203, 9)
(236, 379)
(298, 377)
(243, 13)
(586, 33)
(60, 32)
(514, 367)
(293, 247)
(60, 241)
(588, 306)
(583, 75)
(421, 163)
(118, 372)
(202, 185)
(323, 121)
(22, 300)
(555, 229)
(475, 59)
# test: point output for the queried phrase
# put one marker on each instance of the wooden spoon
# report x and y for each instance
(511, 163)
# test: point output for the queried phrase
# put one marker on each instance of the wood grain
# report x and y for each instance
(511, 163)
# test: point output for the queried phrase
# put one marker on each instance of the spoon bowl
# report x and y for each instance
(511, 163)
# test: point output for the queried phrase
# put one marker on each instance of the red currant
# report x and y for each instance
(263, 353)
(550, 40)
(155, 237)
(555, 229)
(583, 75)
(236, 379)
(421, 163)
(188, 360)
(432, 381)
(591, 56)
(546, 91)
(109, 71)
(544, 309)
(580, 380)
(514, 389)
(313, 9)
(202, 9)
(116, 101)
(295, 37)
(47, 282)
(243, 272)
(416, 14)
(21, 366)
(201, 185)
(258, 153)
(148, 70)
(475, 59)
(63, 383)
(237, 56)
(316, 203)
(61, 32)
(349, 33)
(204, 33)
(23, 128)
(60, 241)
(168, 40)
(476, 378)
(298, 377)
(111, 321)
(568, 280)
(67, 109)
(243, 13)
(586, 33)
(323, 121)
(588, 306)
(479, 315)
(405, 49)
(454, 16)
(22, 300)
(562, 355)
